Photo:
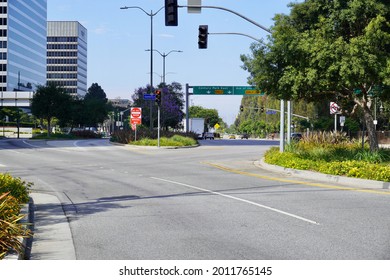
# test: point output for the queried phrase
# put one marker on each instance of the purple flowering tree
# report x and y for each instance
(172, 105)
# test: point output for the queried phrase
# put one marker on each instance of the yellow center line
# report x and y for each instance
(320, 185)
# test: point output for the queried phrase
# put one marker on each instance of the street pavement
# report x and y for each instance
(181, 201)
(52, 234)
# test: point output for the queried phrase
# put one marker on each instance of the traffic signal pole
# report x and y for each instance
(228, 10)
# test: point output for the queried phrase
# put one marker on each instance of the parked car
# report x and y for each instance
(209, 135)
(244, 136)
(296, 136)
(232, 136)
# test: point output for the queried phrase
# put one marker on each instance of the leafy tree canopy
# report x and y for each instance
(50, 101)
(327, 49)
(211, 116)
(95, 91)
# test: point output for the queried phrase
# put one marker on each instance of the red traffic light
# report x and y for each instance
(158, 96)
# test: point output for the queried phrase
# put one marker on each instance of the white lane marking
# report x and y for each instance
(2, 165)
(240, 199)
(31, 145)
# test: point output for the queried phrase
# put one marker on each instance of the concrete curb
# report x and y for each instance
(355, 182)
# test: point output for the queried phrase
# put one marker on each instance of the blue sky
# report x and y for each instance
(117, 40)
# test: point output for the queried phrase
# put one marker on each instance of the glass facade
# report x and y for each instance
(67, 55)
(22, 44)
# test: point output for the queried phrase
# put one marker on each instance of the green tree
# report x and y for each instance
(50, 101)
(211, 116)
(336, 50)
(95, 91)
(172, 105)
(73, 115)
(96, 106)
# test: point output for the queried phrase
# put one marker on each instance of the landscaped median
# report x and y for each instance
(174, 141)
(335, 155)
(146, 137)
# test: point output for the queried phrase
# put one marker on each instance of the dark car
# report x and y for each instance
(244, 136)
(296, 136)
(209, 135)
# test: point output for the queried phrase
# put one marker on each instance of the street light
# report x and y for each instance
(161, 76)
(151, 15)
(164, 55)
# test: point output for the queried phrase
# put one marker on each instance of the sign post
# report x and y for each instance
(334, 109)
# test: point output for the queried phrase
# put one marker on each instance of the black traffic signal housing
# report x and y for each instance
(262, 109)
(202, 37)
(171, 13)
(158, 96)
(241, 108)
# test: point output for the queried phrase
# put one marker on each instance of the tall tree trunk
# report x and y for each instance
(48, 127)
(372, 137)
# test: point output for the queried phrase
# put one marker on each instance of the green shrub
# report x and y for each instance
(335, 160)
(380, 156)
(174, 141)
(11, 230)
(128, 136)
(17, 188)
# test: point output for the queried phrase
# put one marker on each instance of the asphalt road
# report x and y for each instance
(209, 202)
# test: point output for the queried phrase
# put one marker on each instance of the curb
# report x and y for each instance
(371, 184)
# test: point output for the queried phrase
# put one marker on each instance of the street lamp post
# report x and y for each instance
(158, 107)
(151, 15)
(164, 55)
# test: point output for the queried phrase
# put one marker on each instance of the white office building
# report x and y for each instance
(67, 56)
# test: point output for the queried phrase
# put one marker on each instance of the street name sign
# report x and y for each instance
(149, 96)
(226, 90)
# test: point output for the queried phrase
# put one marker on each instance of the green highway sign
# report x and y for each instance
(226, 90)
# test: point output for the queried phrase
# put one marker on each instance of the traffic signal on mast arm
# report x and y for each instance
(202, 37)
(241, 108)
(171, 13)
(158, 96)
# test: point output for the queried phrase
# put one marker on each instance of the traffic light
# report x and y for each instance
(202, 37)
(262, 109)
(171, 13)
(241, 108)
(158, 97)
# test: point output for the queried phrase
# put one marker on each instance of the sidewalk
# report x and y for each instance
(52, 238)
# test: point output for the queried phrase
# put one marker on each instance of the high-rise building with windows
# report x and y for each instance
(22, 44)
(67, 56)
